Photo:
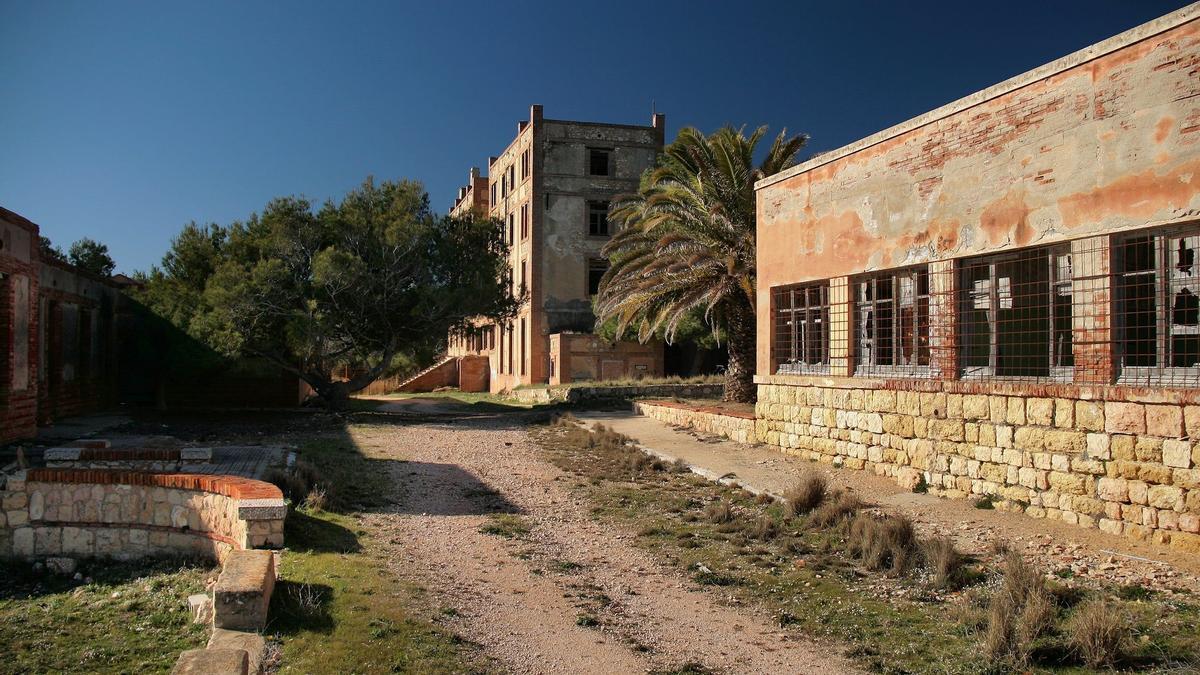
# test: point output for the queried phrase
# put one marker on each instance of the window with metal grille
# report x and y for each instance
(801, 329)
(892, 323)
(598, 164)
(1014, 315)
(1157, 289)
(598, 219)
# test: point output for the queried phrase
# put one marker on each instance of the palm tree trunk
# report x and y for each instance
(739, 374)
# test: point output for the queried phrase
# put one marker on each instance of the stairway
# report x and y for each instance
(443, 373)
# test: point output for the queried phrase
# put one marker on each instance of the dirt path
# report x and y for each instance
(524, 599)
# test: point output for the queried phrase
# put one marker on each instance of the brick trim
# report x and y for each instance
(229, 486)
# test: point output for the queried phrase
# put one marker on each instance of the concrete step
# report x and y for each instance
(243, 591)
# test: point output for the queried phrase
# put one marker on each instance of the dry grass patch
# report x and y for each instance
(719, 512)
(836, 510)
(1098, 633)
(805, 495)
(884, 544)
(946, 563)
(1019, 613)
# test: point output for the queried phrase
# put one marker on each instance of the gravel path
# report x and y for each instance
(522, 599)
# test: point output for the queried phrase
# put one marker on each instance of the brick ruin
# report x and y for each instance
(1001, 297)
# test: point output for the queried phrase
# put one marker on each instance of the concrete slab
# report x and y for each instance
(212, 662)
(243, 591)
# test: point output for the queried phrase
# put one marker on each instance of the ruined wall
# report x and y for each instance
(78, 342)
(717, 421)
(567, 246)
(18, 327)
(581, 357)
(126, 515)
(1103, 140)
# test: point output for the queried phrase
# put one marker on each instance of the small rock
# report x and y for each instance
(201, 607)
(61, 566)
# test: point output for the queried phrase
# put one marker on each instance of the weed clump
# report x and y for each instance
(764, 528)
(506, 525)
(837, 509)
(1019, 613)
(1098, 633)
(945, 561)
(884, 544)
(805, 495)
(719, 512)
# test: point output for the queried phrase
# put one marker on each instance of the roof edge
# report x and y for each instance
(1147, 30)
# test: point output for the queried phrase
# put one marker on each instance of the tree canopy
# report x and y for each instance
(91, 256)
(353, 283)
(687, 244)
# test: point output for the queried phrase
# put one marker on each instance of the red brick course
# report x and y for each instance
(229, 486)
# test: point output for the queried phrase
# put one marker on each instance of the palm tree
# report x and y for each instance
(686, 244)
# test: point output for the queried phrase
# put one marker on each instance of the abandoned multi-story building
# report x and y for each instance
(1002, 296)
(472, 198)
(551, 189)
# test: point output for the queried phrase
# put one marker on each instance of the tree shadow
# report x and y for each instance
(300, 607)
(305, 534)
(437, 489)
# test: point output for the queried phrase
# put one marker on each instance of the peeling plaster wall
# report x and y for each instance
(566, 245)
(1104, 140)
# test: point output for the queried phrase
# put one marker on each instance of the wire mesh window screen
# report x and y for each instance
(801, 329)
(1015, 315)
(892, 323)
(1157, 291)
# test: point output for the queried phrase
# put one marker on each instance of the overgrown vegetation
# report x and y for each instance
(128, 618)
(832, 566)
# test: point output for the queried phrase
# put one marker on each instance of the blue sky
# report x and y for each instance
(122, 121)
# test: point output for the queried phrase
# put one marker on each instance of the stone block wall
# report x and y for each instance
(126, 515)
(1122, 460)
(734, 425)
(583, 392)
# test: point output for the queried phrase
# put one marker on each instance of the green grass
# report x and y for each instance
(133, 617)
(887, 625)
(506, 525)
(339, 610)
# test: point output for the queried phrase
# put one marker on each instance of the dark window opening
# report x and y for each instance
(596, 270)
(598, 219)
(893, 322)
(1015, 315)
(1158, 308)
(801, 320)
(598, 161)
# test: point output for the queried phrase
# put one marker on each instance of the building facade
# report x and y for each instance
(1002, 297)
(472, 198)
(551, 189)
(58, 353)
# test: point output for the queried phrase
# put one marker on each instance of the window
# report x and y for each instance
(510, 350)
(1015, 315)
(525, 164)
(512, 176)
(524, 277)
(503, 185)
(493, 202)
(596, 270)
(598, 219)
(525, 221)
(801, 328)
(892, 323)
(524, 336)
(1158, 308)
(598, 164)
(511, 234)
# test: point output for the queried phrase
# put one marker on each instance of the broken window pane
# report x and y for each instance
(892, 313)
